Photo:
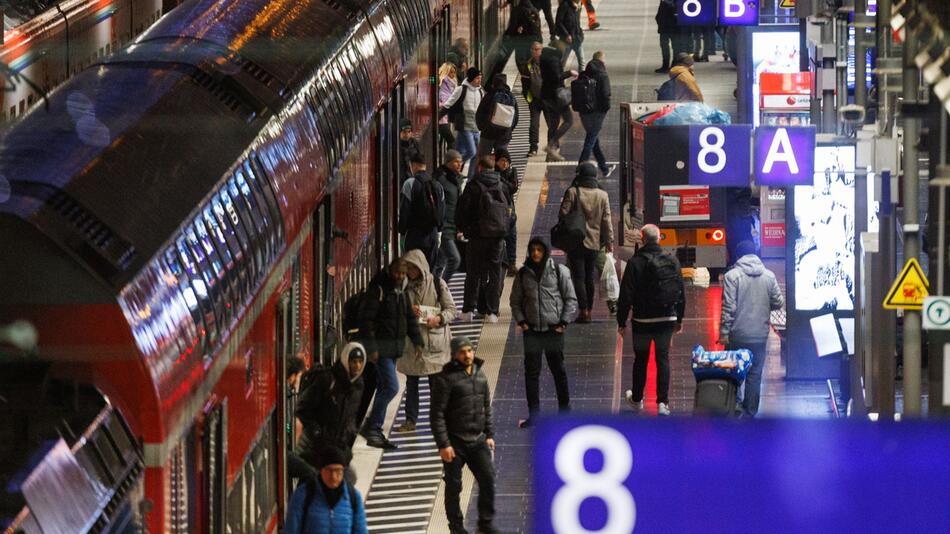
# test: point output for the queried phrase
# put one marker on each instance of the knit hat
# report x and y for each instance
(458, 343)
(452, 154)
(683, 59)
(332, 456)
(744, 248)
(405, 124)
(502, 153)
(417, 157)
(499, 81)
(472, 73)
(587, 170)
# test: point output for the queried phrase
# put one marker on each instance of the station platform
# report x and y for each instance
(403, 487)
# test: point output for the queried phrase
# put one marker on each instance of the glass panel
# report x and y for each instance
(230, 241)
(211, 268)
(238, 211)
(259, 217)
(201, 289)
(188, 297)
(261, 184)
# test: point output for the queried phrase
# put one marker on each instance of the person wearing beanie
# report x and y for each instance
(497, 116)
(461, 419)
(461, 107)
(587, 196)
(409, 148)
(509, 179)
(750, 293)
(543, 304)
(327, 503)
(449, 176)
(686, 87)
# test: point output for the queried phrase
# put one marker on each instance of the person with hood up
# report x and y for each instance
(450, 178)
(509, 178)
(328, 402)
(593, 120)
(468, 95)
(686, 88)
(750, 293)
(409, 148)
(542, 305)
(557, 114)
(497, 116)
(327, 504)
(482, 217)
(593, 201)
(387, 318)
(432, 303)
(464, 432)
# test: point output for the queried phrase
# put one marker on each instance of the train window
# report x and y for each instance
(207, 246)
(238, 226)
(258, 215)
(249, 226)
(264, 205)
(317, 102)
(260, 178)
(203, 288)
(230, 240)
(219, 246)
(173, 263)
(210, 274)
(341, 68)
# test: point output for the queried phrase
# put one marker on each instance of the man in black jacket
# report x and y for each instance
(557, 114)
(421, 210)
(669, 30)
(509, 179)
(387, 319)
(524, 27)
(652, 287)
(409, 148)
(462, 427)
(569, 32)
(450, 178)
(496, 116)
(593, 120)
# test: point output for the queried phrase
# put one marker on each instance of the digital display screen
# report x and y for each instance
(772, 52)
(825, 246)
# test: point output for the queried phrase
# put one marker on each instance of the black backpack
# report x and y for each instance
(428, 203)
(667, 91)
(456, 111)
(571, 229)
(308, 500)
(351, 314)
(584, 94)
(665, 287)
(493, 209)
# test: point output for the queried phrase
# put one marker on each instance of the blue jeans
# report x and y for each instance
(467, 145)
(753, 380)
(449, 259)
(387, 385)
(593, 122)
(578, 48)
(412, 397)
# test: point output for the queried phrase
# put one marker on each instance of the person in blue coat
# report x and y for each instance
(328, 503)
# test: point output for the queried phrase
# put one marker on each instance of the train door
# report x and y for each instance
(323, 284)
(388, 165)
(214, 464)
(288, 345)
(441, 40)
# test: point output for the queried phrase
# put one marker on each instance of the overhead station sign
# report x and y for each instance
(722, 155)
(621, 475)
(727, 12)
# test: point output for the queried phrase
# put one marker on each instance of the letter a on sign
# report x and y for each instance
(784, 156)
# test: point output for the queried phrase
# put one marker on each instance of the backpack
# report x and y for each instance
(456, 112)
(667, 91)
(571, 229)
(428, 203)
(493, 207)
(502, 115)
(351, 314)
(665, 283)
(584, 94)
(308, 500)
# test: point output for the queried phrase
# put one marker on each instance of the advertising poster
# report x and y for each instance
(825, 247)
(684, 203)
(772, 52)
(773, 234)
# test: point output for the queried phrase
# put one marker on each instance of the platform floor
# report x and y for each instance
(405, 493)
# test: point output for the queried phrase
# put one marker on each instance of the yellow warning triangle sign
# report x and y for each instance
(787, 4)
(909, 290)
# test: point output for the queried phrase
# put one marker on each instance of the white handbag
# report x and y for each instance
(503, 115)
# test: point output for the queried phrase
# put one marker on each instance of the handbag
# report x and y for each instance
(563, 96)
(571, 228)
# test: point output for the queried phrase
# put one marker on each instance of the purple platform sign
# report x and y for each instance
(696, 12)
(656, 475)
(719, 155)
(738, 12)
(784, 156)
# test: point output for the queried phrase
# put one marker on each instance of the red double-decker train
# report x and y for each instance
(187, 214)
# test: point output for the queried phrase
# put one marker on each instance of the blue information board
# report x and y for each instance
(622, 474)
(739, 12)
(719, 154)
(784, 156)
(696, 12)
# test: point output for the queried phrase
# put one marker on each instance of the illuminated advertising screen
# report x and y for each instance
(772, 52)
(825, 245)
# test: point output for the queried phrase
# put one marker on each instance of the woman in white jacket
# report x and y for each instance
(435, 309)
(468, 136)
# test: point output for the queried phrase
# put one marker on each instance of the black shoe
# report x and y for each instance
(594, 26)
(380, 442)
(367, 432)
(662, 70)
(532, 153)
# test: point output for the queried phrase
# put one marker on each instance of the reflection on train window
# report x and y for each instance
(218, 252)
(187, 292)
(258, 177)
(214, 228)
(258, 214)
(208, 273)
(248, 225)
(231, 242)
(182, 315)
(201, 289)
(208, 248)
(237, 227)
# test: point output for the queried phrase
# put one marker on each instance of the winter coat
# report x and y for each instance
(321, 519)
(446, 88)
(468, 212)
(687, 90)
(749, 293)
(436, 352)
(451, 183)
(487, 107)
(461, 405)
(552, 75)
(597, 71)
(531, 84)
(387, 318)
(509, 179)
(473, 97)
(544, 303)
(595, 204)
(567, 23)
(409, 220)
(408, 149)
(327, 408)
(666, 18)
(526, 18)
(634, 292)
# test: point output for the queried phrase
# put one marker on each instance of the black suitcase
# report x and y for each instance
(715, 396)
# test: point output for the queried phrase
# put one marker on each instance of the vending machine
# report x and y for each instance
(784, 100)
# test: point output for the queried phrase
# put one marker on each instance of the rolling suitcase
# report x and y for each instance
(715, 396)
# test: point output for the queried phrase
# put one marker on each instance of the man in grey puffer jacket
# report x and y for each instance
(543, 304)
(749, 293)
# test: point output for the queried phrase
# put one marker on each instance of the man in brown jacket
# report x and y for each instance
(687, 90)
(594, 203)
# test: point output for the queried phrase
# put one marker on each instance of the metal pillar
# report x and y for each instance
(829, 122)
(882, 333)
(912, 361)
(860, 53)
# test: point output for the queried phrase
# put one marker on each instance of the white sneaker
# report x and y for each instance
(662, 409)
(492, 318)
(637, 406)
(466, 317)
